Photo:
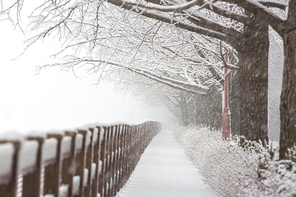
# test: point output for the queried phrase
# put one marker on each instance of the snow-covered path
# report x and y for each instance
(165, 171)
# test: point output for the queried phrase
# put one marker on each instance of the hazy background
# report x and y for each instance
(56, 99)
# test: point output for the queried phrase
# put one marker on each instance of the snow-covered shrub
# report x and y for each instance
(291, 154)
(238, 167)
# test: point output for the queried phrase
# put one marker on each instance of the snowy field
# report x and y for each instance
(165, 171)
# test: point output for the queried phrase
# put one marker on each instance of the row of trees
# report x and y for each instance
(189, 108)
(178, 43)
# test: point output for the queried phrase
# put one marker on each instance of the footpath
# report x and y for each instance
(165, 171)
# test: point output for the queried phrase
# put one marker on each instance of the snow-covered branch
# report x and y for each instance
(262, 12)
(206, 30)
(225, 64)
(229, 14)
(173, 8)
(182, 85)
(274, 4)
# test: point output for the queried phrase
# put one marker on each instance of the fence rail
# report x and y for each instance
(93, 161)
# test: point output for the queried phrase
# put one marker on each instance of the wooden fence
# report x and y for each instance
(88, 162)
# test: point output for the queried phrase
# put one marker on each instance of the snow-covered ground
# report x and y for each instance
(165, 171)
(234, 168)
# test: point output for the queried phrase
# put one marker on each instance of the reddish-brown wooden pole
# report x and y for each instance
(226, 116)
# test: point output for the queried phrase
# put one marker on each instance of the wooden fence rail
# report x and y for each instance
(91, 161)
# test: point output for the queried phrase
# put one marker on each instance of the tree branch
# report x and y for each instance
(173, 8)
(280, 5)
(170, 20)
(203, 22)
(223, 12)
(181, 85)
(225, 64)
(260, 11)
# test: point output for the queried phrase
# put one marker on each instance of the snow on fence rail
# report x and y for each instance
(88, 162)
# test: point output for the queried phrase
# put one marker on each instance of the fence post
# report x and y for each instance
(134, 147)
(52, 172)
(122, 158)
(129, 151)
(125, 172)
(120, 145)
(68, 166)
(96, 157)
(9, 189)
(88, 164)
(31, 181)
(137, 145)
(102, 159)
(117, 159)
(109, 162)
(80, 162)
(114, 162)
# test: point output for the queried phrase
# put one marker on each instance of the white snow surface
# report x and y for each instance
(88, 135)
(28, 155)
(6, 155)
(78, 142)
(49, 151)
(164, 170)
(100, 165)
(63, 190)
(76, 183)
(93, 170)
(95, 135)
(12, 136)
(85, 176)
(66, 144)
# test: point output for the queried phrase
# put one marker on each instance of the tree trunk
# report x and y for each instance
(209, 109)
(288, 95)
(184, 110)
(254, 82)
(214, 107)
(234, 102)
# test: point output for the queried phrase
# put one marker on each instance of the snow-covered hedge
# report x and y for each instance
(238, 167)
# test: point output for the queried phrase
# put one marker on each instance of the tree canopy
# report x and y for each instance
(135, 34)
